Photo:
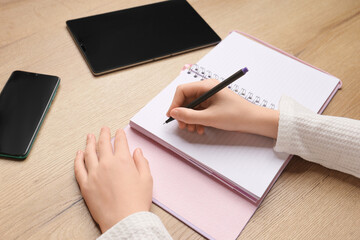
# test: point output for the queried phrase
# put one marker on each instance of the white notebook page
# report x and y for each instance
(246, 161)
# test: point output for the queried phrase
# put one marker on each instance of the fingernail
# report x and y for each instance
(174, 113)
(78, 152)
(140, 151)
(90, 136)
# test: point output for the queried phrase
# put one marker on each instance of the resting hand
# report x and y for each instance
(114, 184)
(225, 110)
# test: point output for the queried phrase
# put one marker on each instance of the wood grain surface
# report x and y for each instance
(39, 197)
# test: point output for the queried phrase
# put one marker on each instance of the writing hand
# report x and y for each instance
(225, 110)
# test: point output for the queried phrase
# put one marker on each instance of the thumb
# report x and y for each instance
(189, 116)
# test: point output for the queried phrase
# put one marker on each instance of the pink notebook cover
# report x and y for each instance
(189, 194)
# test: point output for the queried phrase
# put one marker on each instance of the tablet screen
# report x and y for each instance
(132, 36)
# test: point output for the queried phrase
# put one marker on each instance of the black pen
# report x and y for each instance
(214, 90)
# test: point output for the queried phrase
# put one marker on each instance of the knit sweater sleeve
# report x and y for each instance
(141, 225)
(333, 142)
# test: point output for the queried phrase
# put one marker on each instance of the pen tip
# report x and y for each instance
(245, 70)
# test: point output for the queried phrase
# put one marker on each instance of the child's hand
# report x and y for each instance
(225, 110)
(113, 184)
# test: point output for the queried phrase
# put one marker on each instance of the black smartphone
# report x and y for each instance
(24, 102)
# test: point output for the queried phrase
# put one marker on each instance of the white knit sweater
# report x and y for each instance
(333, 142)
(141, 225)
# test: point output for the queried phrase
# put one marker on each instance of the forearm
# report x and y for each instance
(333, 142)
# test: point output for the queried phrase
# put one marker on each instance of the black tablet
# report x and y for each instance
(137, 35)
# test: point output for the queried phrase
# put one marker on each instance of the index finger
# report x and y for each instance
(188, 91)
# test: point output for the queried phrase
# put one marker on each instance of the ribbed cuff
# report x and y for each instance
(141, 225)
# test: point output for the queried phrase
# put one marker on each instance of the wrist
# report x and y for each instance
(265, 122)
(111, 218)
(106, 225)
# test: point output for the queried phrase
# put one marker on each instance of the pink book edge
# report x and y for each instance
(178, 216)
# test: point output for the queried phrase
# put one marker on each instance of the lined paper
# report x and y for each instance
(246, 162)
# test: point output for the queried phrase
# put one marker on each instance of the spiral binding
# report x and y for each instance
(202, 73)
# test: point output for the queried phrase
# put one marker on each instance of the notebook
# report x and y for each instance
(245, 163)
(189, 192)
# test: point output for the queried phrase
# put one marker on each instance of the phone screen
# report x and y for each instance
(24, 102)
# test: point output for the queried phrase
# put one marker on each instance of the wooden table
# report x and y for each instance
(39, 197)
